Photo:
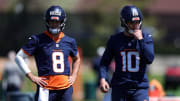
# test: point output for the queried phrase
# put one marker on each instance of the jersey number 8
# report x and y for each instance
(58, 62)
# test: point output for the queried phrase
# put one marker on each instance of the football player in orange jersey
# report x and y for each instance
(51, 50)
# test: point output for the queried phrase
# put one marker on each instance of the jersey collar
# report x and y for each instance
(56, 39)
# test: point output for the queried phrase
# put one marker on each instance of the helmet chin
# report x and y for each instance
(54, 31)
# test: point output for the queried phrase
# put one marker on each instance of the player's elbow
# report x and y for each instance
(150, 59)
(17, 59)
(78, 60)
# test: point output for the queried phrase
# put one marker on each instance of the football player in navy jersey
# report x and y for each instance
(132, 50)
(51, 50)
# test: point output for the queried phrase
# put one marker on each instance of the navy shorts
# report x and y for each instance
(120, 94)
(54, 95)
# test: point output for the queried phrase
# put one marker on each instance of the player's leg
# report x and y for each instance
(141, 95)
(61, 95)
(119, 94)
(42, 94)
(67, 96)
(53, 95)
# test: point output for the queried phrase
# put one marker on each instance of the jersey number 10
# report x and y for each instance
(127, 60)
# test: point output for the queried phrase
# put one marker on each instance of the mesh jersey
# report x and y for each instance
(51, 55)
(131, 57)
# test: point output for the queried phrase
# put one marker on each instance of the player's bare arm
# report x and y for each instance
(38, 80)
(75, 69)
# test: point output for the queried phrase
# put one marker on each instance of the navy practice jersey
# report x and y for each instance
(51, 56)
(131, 57)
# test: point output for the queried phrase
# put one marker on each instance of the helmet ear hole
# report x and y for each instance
(122, 22)
(62, 25)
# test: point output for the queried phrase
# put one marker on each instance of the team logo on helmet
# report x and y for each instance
(134, 12)
(55, 13)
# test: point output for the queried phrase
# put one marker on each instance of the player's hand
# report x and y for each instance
(138, 34)
(38, 80)
(104, 86)
(72, 79)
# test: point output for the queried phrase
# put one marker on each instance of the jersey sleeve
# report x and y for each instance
(74, 50)
(106, 59)
(146, 46)
(30, 47)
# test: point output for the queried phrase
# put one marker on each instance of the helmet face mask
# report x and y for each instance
(55, 14)
(130, 14)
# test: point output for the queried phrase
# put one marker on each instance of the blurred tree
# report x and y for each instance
(91, 22)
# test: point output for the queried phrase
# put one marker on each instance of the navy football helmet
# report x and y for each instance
(55, 13)
(130, 13)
